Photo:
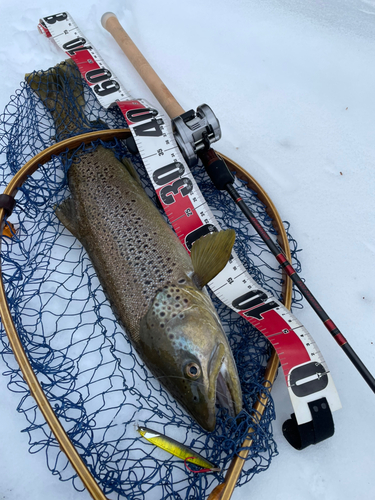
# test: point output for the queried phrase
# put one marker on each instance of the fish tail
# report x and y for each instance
(61, 91)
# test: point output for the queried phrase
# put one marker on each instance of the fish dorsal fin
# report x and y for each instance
(211, 253)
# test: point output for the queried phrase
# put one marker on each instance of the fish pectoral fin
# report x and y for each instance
(66, 213)
(211, 253)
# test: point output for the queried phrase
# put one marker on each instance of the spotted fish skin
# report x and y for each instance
(133, 250)
(150, 281)
(148, 276)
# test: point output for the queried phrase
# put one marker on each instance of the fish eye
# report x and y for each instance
(193, 370)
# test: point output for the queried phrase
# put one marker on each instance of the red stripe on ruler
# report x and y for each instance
(85, 62)
(288, 345)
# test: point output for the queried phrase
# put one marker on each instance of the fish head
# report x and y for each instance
(183, 343)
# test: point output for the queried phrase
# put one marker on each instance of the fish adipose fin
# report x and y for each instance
(210, 255)
(65, 212)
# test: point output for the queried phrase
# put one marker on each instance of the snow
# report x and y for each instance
(292, 85)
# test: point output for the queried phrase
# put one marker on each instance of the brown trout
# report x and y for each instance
(154, 286)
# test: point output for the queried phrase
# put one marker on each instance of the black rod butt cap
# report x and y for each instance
(321, 426)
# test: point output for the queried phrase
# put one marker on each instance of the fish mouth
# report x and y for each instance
(224, 382)
(224, 396)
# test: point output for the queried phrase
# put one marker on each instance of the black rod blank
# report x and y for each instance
(223, 179)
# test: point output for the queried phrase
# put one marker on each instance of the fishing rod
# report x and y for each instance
(194, 133)
(223, 179)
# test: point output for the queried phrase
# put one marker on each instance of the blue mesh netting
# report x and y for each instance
(99, 388)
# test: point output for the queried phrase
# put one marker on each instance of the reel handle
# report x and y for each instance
(152, 80)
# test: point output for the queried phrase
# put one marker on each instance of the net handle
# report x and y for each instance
(14, 340)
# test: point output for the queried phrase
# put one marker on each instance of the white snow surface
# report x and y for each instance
(292, 83)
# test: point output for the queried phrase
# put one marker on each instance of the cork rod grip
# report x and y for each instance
(154, 83)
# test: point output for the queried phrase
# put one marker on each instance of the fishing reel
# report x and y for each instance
(195, 131)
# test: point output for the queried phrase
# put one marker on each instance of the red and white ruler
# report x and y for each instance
(305, 371)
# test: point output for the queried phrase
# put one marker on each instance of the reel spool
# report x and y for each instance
(195, 131)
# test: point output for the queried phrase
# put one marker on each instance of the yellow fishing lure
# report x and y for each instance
(177, 449)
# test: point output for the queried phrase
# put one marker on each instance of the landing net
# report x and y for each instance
(98, 387)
